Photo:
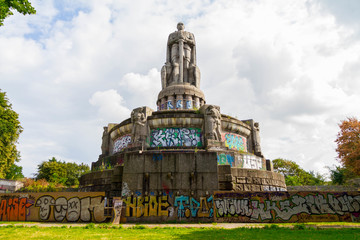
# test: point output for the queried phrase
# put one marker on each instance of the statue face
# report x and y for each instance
(180, 26)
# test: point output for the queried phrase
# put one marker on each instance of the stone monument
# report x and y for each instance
(181, 153)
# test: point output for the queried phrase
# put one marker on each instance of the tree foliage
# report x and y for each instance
(60, 172)
(348, 145)
(8, 6)
(10, 130)
(14, 172)
(295, 175)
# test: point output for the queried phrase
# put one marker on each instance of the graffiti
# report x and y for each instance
(125, 190)
(225, 159)
(72, 210)
(14, 209)
(146, 206)
(170, 105)
(157, 157)
(261, 207)
(188, 104)
(179, 104)
(250, 161)
(273, 188)
(176, 137)
(190, 207)
(121, 143)
(234, 141)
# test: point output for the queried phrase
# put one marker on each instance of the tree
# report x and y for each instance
(14, 172)
(60, 172)
(348, 145)
(7, 7)
(295, 175)
(10, 130)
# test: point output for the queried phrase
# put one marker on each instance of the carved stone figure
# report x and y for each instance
(140, 128)
(180, 66)
(213, 123)
(257, 149)
(105, 142)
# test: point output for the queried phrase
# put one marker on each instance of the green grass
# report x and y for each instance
(142, 232)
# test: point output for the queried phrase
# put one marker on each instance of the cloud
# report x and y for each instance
(110, 105)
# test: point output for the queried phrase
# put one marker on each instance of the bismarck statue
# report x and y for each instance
(180, 66)
(180, 76)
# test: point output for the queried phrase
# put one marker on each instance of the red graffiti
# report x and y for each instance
(14, 209)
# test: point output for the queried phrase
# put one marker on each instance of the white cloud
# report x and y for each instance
(110, 105)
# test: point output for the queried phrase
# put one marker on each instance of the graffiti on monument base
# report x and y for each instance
(234, 141)
(164, 206)
(14, 208)
(53, 207)
(121, 143)
(176, 137)
(287, 207)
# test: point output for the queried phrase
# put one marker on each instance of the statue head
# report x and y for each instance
(180, 26)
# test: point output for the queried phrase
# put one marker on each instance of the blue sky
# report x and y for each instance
(76, 66)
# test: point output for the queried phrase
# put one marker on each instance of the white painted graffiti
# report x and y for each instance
(285, 209)
(250, 161)
(176, 137)
(273, 188)
(72, 210)
(121, 143)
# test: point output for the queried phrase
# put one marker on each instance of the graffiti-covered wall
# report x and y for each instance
(53, 207)
(287, 206)
(169, 207)
(234, 141)
(241, 160)
(176, 137)
(121, 143)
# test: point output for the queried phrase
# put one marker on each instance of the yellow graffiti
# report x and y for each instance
(146, 206)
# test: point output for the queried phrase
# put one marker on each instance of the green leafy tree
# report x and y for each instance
(8, 6)
(295, 175)
(10, 130)
(14, 172)
(60, 172)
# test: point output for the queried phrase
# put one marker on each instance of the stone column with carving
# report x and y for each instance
(140, 128)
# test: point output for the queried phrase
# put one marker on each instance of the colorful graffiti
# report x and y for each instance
(225, 159)
(184, 206)
(250, 161)
(234, 141)
(190, 207)
(14, 209)
(121, 143)
(287, 207)
(176, 137)
(53, 207)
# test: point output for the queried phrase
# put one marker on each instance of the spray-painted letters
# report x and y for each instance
(121, 143)
(287, 207)
(176, 137)
(234, 141)
(14, 209)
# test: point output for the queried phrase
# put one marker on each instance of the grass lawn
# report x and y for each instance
(141, 232)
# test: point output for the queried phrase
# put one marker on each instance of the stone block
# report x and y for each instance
(239, 187)
(255, 188)
(256, 180)
(208, 181)
(154, 181)
(185, 181)
(248, 180)
(168, 163)
(224, 169)
(151, 165)
(206, 162)
(247, 187)
(240, 180)
(134, 163)
(185, 163)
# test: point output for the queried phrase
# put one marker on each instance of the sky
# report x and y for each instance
(77, 65)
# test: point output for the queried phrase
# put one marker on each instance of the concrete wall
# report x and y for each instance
(7, 185)
(53, 207)
(287, 206)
